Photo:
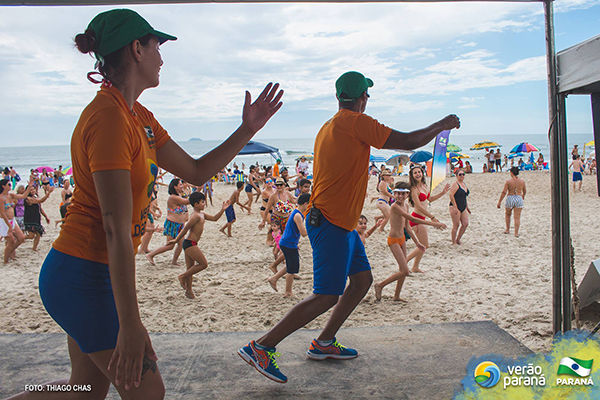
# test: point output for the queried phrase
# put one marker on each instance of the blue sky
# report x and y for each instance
(482, 61)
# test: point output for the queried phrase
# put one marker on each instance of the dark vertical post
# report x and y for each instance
(596, 121)
(565, 223)
(554, 170)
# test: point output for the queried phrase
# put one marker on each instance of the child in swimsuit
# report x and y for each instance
(396, 241)
(275, 236)
(361, 228)
(230, 211)
(195, 261)
(289, 246)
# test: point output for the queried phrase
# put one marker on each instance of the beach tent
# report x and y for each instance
(260, 148)
(376, 159)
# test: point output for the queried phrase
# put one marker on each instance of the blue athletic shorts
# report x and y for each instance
(337, 254)
(230, 213)
(78, 295)
(292, 259)
(577, 176)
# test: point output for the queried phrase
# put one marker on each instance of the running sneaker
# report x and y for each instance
(334, 350)
(263, 361)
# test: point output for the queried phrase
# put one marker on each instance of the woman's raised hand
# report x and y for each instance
(256, 115)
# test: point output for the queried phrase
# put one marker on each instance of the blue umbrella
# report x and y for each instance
(421, 156)
(514, 155)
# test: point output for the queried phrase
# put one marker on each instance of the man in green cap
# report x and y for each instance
(335, 206)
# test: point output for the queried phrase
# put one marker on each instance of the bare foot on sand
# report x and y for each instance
(400, 300)
(190, 294)
(223, 231)
(273, 269)
(417, 271)
(505, 232)
(272, 283)
(378, 290)
(288, 294)
(182, 281)
(516, 235)
(150, 259)
(297, 277)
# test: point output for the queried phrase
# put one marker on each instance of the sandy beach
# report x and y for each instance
(491, 276)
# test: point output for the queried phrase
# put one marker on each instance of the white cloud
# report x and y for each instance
(410, 50)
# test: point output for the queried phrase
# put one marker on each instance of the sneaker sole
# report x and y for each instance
(320, 357)
(246, 357)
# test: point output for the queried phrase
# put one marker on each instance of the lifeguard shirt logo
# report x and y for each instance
(150, 136)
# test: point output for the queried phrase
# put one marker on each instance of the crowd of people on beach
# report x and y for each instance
(87, 281)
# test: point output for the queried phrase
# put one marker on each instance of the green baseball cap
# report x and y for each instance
(116, 28)
(353, 84)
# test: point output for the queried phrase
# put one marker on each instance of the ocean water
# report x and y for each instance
(25, 158)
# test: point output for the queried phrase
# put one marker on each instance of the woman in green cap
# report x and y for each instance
(87, 281)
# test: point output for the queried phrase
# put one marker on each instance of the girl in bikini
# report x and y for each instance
(385, 197)
(419, 198)
(177, 216)
(9, 228)
(253, 182)
(268, 190)
(459, 211)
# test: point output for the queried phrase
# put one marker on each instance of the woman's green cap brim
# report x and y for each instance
(117, 28)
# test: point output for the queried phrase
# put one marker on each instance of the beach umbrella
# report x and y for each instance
(455, 154)
(377, 159)
(591, 143)
(397, 159)
(44, 169)
(309, 157)
(524, 147)
(421, 156)
(67, 171)
(486, 144)
(453, 147)
(515, 155)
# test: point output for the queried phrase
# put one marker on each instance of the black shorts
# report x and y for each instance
(292, 259)
(188, 243)
(498, 162)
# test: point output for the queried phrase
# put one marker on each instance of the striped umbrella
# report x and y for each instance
(453, 147)
(486, 144)
(524, 147)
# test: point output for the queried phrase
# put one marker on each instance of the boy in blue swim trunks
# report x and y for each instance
(335, 207)
(230, 212)
(195, 261)
(578, 169)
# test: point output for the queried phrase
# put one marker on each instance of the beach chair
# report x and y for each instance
(240, 178)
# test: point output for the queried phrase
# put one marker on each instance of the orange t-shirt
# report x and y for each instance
(109, 136)
(341, 163)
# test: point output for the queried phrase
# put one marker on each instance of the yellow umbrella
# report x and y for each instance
(485, 145)
(590, 143)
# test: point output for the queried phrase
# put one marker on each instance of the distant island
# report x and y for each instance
(195, 139)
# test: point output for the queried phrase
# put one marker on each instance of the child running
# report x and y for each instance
(289, 246)
(192, 252)
(230, 211)
(399, 217)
